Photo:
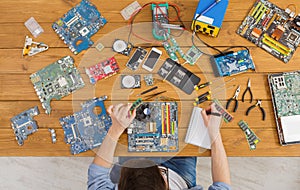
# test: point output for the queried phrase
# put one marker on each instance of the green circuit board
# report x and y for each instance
(55, 81)
(285, 90)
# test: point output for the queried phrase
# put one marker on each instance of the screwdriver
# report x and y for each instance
(197, 87)
(203, 95)
(201, 100)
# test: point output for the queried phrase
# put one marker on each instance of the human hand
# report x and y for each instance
(121, 116)
(212, 121)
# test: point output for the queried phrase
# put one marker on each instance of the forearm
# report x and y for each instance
(220, 167)
(105, 153)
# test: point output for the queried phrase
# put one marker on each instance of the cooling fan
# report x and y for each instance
(143, 112)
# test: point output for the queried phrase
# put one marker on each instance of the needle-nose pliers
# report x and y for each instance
(250, 92)
(234, 98)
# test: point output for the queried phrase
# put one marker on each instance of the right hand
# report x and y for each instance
(212, 122)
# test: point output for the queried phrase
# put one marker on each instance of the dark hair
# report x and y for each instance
(139, 175)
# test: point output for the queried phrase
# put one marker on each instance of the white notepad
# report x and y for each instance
(291, 128)
(197, 133)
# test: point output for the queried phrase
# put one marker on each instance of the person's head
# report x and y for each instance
(141, 175)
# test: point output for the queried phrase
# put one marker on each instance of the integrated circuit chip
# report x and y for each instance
(56, 81)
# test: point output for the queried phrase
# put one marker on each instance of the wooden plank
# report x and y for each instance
(12, 61)
(39, 144)
(46, 11)
(9, 109)
(23, 89)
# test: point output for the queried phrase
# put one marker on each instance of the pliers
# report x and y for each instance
(235, 98)
(250, 92)
(261, 109)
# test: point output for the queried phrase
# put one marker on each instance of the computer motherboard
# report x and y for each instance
(77, 26)
(275, 30)
(24, 125)
(155, 128)
(285, 92)
(55, 81)
(85, 129)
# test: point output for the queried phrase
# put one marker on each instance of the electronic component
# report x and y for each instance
(99, 47)
(152, 59)
(209, 16)
(130, 81)
(178, 76)
(271, 28)
(225, 114)
(24, 125)
(285, 93)
(136, 104)
(77, 26)
(136, 59)
(192, 55)
(149, 80)
(122, 47)
(172, 48)
(160, 16)
(86, 129)
(33, 26)
(155, 128)
(53, 135)
(56, 81)
(130, 9)
(102, 70)
(32, 48)
(232, 63)
(251, 137)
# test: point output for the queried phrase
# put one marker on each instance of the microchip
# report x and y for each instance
(293, 37)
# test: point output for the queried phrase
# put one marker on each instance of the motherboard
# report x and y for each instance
(85, 129)
(232, 63)
(285, 92)
(55, 81)
(24, 125)
(102, 70)
(77, 26)
(155, 128)
(275, 30)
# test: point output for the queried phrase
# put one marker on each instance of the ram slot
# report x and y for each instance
(276, 45)
(262, 12)
(254, 11)
(162, 120)
(258, 12)
(271, 21)
(168, 118)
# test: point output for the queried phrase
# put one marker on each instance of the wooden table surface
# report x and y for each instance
(17, 93)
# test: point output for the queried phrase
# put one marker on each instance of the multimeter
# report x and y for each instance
(160, 16)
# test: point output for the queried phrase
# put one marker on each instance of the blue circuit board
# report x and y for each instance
(85, 130)
(24, 125)
(155, 128)
(55, 81)
(232, 63)
(77, 26)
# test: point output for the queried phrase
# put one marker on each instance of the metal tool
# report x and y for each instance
(31, 48)
(261, 109)
(250, 92)
(147, 91)
(234, 98)
(153, 95)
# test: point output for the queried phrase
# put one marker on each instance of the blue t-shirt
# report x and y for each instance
(99, 179)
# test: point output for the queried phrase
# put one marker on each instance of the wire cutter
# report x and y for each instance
(261, 109)
(234, 98)
(250, 92)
